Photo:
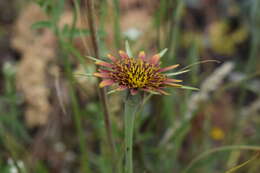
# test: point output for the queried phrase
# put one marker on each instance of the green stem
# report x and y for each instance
(132, 104)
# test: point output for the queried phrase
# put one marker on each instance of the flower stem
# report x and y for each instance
(132, 104)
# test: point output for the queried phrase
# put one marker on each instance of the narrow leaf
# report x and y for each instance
(177, 73)
(92, 58)
(189, 88)
(243, 164)
(200, 62)
(112, 91)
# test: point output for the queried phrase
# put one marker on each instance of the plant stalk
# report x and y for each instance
(132, 104)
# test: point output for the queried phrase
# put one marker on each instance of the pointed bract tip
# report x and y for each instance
(102, 75)
(112, 58)
(122, 54)
(168, 68)
(142, 55)
(106, 83)
(105, 64)
(155, 59)
(163, 52)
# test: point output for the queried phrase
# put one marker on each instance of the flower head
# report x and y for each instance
(217, 133)
(136, 74)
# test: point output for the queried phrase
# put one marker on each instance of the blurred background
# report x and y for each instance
(51, 118)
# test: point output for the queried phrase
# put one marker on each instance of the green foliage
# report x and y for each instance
(42, 24)
(171, 133)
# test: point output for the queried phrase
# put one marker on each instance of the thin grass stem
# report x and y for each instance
(219, 149)
(102, 92)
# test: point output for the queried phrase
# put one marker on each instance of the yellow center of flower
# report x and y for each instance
(136, 73)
